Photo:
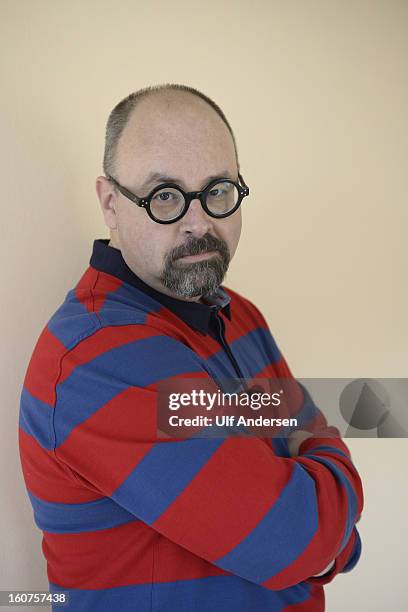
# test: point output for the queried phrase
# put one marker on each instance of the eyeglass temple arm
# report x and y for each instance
(243, 182)
(126, 192)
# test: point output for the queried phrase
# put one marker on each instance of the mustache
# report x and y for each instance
(197, 246)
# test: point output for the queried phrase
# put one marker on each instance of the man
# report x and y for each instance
(132, 521)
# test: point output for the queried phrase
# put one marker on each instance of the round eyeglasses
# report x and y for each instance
(168, 202)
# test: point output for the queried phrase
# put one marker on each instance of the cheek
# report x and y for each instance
(238, 223)
(134, 237)
(234, 231)
(131, 234)
(147, 244)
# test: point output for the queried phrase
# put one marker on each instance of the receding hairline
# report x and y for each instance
(187, 99)
(126, 109)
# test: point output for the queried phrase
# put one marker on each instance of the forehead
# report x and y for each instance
(179, 135)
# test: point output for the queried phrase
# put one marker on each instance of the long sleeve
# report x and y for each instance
(272, 520)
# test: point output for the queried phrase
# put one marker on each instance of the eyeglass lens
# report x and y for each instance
(168, 203)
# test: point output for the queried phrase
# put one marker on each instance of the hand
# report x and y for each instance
(295, 439)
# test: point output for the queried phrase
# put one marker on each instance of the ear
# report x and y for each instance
(107, 199)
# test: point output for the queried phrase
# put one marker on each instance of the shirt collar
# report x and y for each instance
(196, 314)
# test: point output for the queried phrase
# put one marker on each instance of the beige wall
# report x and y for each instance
(316, 91)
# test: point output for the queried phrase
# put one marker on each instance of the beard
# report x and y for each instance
(200, 278)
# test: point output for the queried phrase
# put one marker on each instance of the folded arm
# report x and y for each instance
(272, 520)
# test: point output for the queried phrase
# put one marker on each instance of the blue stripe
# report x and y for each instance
(331, 449)
(308, 411)
(220, 366)
(351, 496)
(139, 363)
(281, 536)
(255, 351)
(35, 418)
(280, 446)
(55, 517)
(72, 322)
(210, 594)
(127, 305)
(163, 473)
(355, 554)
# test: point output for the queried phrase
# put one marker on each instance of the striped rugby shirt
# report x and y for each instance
(132, 522)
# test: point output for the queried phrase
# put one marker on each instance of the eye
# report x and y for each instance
(164, 196)
(218, 192)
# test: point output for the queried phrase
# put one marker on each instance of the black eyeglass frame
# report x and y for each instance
(243, 191)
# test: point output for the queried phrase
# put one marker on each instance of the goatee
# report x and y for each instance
(194, 279)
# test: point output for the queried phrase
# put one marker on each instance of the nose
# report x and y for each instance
(196, 221)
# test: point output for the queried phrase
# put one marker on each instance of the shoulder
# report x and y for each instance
(106, 327)
(100, 301)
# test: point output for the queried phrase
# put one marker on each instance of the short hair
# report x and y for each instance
(120, 115)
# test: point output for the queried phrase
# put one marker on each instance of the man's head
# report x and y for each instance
(174, 133)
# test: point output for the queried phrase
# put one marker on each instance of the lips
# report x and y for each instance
(199, 256)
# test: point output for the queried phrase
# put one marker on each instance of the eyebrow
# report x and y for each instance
(159, 177)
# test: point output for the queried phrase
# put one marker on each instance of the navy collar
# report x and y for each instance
(196, 314)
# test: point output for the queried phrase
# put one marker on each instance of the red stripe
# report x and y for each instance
(43, 369)
(217, 532)
(83, 289)
(243, 317)
(345, 554)
(120, 431)
(93, 287)
(105, 284)
(340, 562)
(101, 559)
(48, 478)
(177, 563)
(129, 554)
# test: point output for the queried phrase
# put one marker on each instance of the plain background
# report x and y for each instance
(316, 92)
